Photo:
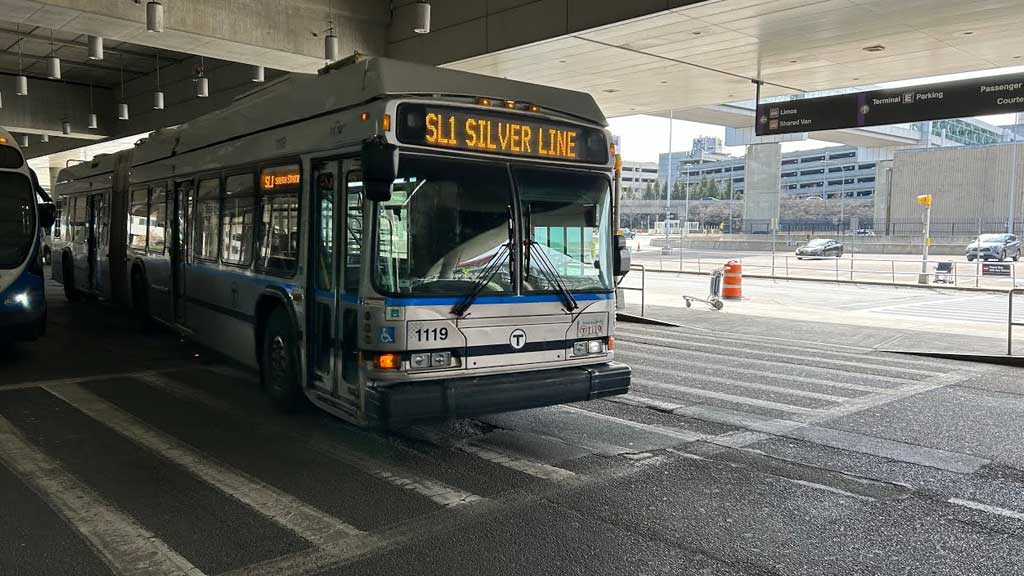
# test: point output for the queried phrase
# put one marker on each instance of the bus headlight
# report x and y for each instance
(594, 347)
(420, 360)
(425, 360)
(587, 347)
(19, 299)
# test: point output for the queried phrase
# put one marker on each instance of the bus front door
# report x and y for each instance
(182, 209)
(97, 242)
(328, 256)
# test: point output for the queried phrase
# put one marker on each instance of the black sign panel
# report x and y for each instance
(996, 270)
(975, 97)
(509, 134)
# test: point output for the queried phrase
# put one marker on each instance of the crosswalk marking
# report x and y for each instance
(126, 546)
(987, 508)
(729, 397)
(436, 491)
(737, 370)
(983, 309)
(742, 384)
(677, 434)
(313, 525)
(733, 351)
(536, 469)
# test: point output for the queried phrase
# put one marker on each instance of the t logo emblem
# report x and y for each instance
(517, 339)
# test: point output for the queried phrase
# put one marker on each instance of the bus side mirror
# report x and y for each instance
(380, 168)
(47, 214)
(621, 259)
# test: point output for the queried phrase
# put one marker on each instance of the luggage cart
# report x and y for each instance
(714, 298)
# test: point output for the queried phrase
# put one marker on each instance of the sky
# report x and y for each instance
(643, 137)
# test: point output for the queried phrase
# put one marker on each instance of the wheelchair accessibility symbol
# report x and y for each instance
(387, 335)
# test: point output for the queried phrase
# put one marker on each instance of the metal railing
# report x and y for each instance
(643, 285)
(1010, 323)
(849, 268)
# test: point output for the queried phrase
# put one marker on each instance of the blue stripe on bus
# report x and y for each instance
(528, 299)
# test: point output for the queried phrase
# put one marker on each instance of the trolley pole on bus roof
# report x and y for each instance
(926, 201)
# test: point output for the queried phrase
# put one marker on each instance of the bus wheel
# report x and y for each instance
(68, 277)
(279, 366)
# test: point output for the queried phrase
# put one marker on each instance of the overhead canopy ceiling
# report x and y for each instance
(709, 52)
(34, 46)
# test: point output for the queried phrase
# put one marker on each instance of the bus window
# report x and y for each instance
(279, 240)
(138, 218)
(79, 219)
(353, 231)
(157, 220)
(207, 219)
(58, 218)
(17, 219)
(238, 218)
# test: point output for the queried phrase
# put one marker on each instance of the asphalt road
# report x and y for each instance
(748, 451)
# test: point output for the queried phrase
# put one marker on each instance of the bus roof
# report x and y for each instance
(349, 83)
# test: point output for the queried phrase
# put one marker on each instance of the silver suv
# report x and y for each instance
(994, 247)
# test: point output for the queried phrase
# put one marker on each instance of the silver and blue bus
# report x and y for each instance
(25, 213)
(389, 241)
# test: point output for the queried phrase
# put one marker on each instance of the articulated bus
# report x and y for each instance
(25, 213)
(389, 241)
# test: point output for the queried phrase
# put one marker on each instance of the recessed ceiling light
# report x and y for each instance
(561, 61)
(611, 90)
(1016, 57)
(664, 81)
(793, 61)
(874, 48)
(857, 78)
(697, 32)
(965, 33)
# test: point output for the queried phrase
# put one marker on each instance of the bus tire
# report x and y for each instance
(279, 362)
(140, 299)
(68, 277)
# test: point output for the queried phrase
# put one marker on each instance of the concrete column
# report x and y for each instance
(762, 182)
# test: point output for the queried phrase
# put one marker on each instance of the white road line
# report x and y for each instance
(735, 354)
(536, 469)
(127, 547)
(730, 397)
(438, 492)
(643, 402)
(650, 428)
(735, 369)
(81, 379)
(744, 384)
(315, 526)
(831, 489)
(623, 348)
(986, 508)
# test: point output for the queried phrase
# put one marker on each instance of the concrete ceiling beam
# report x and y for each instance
(279, 35)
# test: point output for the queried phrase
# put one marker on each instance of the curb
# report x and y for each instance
(979, 358)
(623, 317)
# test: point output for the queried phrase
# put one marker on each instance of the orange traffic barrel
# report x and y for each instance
(733, 281)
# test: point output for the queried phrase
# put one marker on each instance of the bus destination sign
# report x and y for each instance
(973, 97)
(499, 133)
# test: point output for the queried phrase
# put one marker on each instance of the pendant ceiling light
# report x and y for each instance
(65, 127)
(93, 120)
(24, 141)
(44, 138)
(202, 82)
(258, 74)
(331, 45)
(21, 82)
(158, 95)
(52, 62)
(65, 124)
(95, 47)
(154, 16)
(122, 108)
(421, 18)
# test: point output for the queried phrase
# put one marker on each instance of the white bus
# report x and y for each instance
(25, 213)
(393, 242)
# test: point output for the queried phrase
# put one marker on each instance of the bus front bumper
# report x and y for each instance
(411, 402)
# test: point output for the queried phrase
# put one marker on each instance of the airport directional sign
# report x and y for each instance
(974, 97)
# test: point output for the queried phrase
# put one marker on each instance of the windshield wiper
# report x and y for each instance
(483, 279)
(551, 274)
(489, 271)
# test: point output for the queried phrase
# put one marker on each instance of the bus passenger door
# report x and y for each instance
(99, 262)
(179, 253)
(333, 318)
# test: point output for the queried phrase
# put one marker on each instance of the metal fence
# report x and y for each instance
(848, 268)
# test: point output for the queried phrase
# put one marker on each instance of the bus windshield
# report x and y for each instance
(446, 223)
(568, 215)
(17, 219)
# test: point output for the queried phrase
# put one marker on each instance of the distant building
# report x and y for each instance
(706, 145)
(637, 175)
